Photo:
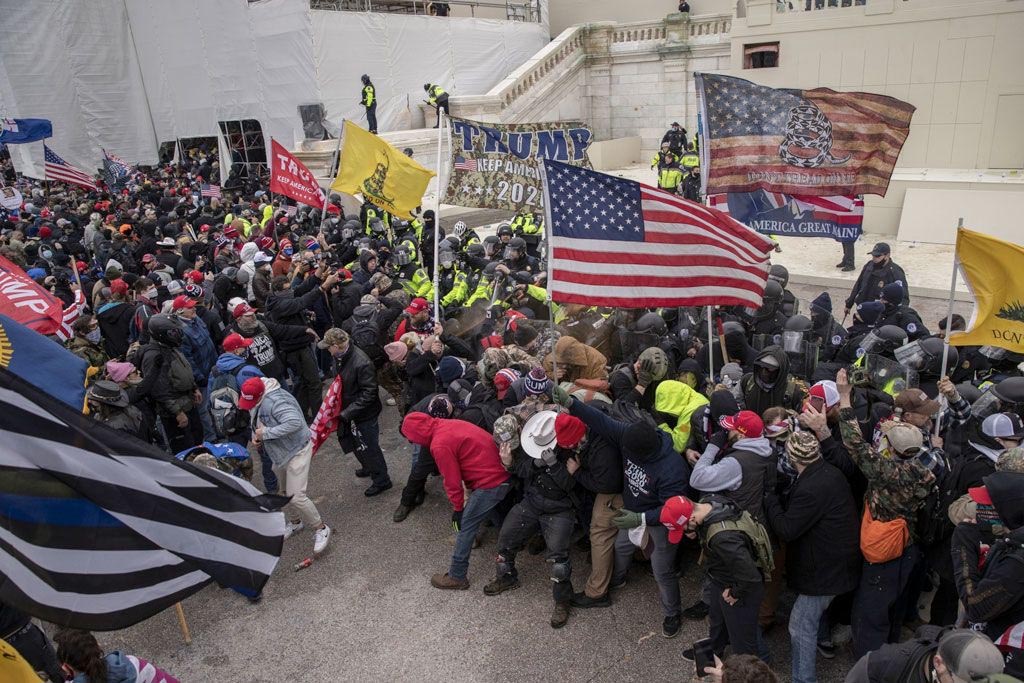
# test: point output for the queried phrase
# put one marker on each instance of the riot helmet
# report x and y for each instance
(796, 331)
(779, 274)
(883, 341)
(445, 254)
(505, 230)
(166, 329)
(652, 323)
(491, 246)
(515, 249)
(476, 250)
(772, 299)
(925, 356)
(403, 254)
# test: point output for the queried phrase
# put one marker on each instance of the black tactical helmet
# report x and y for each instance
(1010, 390)
(166, 329)
(518, 243)
(779, 274)
(365, 79)
(491, 269)
(652, 323)
(505, 229)
(772, 292)
(798, 323)
(932, 347)
(426, 86)
(475, 250)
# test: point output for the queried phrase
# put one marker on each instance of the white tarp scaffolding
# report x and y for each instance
(401, 52)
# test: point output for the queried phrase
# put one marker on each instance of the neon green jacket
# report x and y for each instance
(420, 285)
(676, 398)
(458, 292)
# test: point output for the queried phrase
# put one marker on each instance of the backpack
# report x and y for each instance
(366, 335)
(630, 413)
(932, 524)
(227, 418)
(758, 536)
(893, 663)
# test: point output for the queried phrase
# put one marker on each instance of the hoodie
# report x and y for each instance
(285, 431)
(741, 473)
(229, 363)
(462, 451)
(760, 399)
(586, 361)
(678, 401)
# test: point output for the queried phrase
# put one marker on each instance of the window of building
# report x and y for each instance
(761, 56)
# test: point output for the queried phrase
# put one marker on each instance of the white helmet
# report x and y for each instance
(460, 229)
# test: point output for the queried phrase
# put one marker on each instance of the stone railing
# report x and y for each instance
(718, 25)
(639, 32)
(568, 45)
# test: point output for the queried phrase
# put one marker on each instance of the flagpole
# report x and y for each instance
(332, 172)
(711, 347)
(185, 633)
(548, 253)
(949, 319)
(442, 121)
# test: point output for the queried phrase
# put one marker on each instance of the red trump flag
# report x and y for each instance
(26, 302)
(290, 177)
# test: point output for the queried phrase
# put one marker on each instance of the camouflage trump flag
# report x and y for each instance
(498, 166)
(380, 173)
(992, 270)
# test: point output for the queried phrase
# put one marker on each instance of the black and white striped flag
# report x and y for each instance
(99, 530)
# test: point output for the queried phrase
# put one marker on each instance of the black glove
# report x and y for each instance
(457, 520)
(719, 439)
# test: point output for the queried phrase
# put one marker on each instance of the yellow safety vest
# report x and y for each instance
(369, 96)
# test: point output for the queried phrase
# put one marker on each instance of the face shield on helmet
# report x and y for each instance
(446, 258)
(988, 404)
(377, 226)
(793, 341)
(882, 340)
(885, 374)
(363, 245)
(992, 352)
(402, 256)
(490, 246)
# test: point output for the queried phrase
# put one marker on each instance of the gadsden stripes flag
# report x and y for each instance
(99, 530)
(806, 142)
(616, 242)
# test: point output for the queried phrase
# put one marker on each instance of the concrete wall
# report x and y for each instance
(566, 13)
(955, 60)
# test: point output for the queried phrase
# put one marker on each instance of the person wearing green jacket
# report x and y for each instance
(676, 402)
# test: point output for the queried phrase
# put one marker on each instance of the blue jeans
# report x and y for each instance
(804, 629)
(370, 456)
(480, 504)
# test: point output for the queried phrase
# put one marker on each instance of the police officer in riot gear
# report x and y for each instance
(899, 314)
(769, 320)
(790, 304)
(516, 258)
(925, 357)
(799, 344)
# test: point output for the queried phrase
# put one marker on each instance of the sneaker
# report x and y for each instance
(446, 582)
(696, 611)
(827, 650)
(362, 473)
(401, 512)
(560, 615)
(377, 489)
(688, 655)
(292, 528)
(584, 601)
(505, 582)
(321, 539)
(671, 626)
(617, 584)
(390, 401)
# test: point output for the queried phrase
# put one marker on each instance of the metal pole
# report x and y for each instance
(442, 121)
(949, 318)
(332, 172)
(549, 253)
(711, 347)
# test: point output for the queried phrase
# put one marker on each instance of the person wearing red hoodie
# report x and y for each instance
(465, 454)
(283, 262)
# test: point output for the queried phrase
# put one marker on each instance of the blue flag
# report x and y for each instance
(42, 362)
(18, 131)
(773, 213)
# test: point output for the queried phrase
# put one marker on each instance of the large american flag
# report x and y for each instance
(55, 168)
(616, 242)
(808, 142)
(213, 191)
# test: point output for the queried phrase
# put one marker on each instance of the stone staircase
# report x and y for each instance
(557, 83)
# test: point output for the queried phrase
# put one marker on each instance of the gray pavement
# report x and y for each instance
(365, 611)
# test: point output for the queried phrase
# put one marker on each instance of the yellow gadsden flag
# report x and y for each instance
(382, 174)
(993, 270)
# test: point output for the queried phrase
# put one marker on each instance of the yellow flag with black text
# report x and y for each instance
(993, 271)
(380, 173)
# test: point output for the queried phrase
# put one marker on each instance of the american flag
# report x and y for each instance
(464, 164)
(807, 142)
(57, 169)
(616, 242)
(213, 191)
(839, 209)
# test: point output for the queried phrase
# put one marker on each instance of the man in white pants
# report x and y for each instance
(279, 426)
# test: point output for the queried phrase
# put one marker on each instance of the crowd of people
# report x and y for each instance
(832, 468)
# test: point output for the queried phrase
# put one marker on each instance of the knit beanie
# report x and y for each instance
(396, 351)
(803, 448)
(450, 369)
(569, 430)
(503, 380)
(537, 382)
(870, 311)
(440, 406)
(893, 293)
(524, 334)
(822, 303)
(641, 441)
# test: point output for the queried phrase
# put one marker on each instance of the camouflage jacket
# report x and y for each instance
(896, 488)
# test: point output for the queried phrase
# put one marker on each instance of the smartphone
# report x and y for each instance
(703, 656)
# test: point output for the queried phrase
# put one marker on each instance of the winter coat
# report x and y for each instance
(285, 432)
(729, 559)
(289, 306)
(359, 397)
(783, 392)
(585, 362)
(646, 483)
(87, 351)
(600, 466)
(229, 363)
(115, 319)
(820, 527)
(420, 367)
(167, 379)
(872, 279)
(122, 668)
(679, 401)
(266, 339)
(198, 349)
(463, 453)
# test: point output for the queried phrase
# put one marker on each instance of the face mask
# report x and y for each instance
(93, 336)
(287, 252)
(150, 293)
(246, 325)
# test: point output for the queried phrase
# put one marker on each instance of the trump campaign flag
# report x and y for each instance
(616, 242)
(26, 302)
(19, 131)
(992, 270)
(290, 177)
(380, 173)
(774, 213)
(805, 142)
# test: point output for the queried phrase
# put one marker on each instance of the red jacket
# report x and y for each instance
(463, 453)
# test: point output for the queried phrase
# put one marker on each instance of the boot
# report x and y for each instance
(505, 582)
(446, 582)
(560, 615)
(401, 512)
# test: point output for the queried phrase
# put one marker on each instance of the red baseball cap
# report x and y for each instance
(148, 258)
(242, 309)
(675, 513)
(265, 242)
(235, 341)
(827, 391)
(182, 301)
(417, 305)
(746, 422)
(231, 231)
(251, 392)
(204, 227)
(344, 274)
(118, 286)
(569, 430)
(45, 232)
(195, 276)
